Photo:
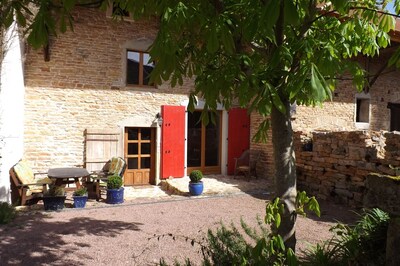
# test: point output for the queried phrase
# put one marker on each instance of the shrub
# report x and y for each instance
(7, 212)
(364, 242)
(55, 191)
(80, 192)
(114, 182)
(195, 176)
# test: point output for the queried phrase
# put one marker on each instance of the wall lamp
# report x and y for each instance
(159, 119)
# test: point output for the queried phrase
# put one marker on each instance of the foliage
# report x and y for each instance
(114, 182)
(55, 191)
(7, 212)
(229, 246)
(363, 244)
(195, 176)
(80, 192)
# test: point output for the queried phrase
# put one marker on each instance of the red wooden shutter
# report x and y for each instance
(238, 135)
(173, 141)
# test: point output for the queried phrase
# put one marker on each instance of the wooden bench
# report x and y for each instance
(25, 187)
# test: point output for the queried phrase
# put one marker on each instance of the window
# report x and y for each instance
(362, 111)
(394, 116)
(138, 68)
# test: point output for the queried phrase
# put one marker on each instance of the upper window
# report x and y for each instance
(138, 68)
(362, 115)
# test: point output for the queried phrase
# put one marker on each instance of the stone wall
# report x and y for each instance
(336, 165)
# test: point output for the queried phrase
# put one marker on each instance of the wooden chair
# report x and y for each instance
(247, 164)
(115, 166)
(25, 187)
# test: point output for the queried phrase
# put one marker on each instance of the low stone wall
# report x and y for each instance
(334, 165)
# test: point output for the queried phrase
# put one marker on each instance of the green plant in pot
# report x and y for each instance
(80, 197)
(195, 184)
(115, 191)
(54, 198)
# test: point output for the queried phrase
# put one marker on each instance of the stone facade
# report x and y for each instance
(81, 87)
(340, 113)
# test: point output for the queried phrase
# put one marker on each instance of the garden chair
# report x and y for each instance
(246, 164)
(25, 187)
(115, 166)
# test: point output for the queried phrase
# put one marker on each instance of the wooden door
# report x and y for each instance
(238, 135)
(139, 152)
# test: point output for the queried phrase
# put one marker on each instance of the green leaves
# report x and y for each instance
(320, 90)
(212, 41)
(310, 203)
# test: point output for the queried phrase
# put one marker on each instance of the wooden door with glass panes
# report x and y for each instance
(139, 155)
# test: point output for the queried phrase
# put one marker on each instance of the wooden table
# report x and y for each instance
(63, 176)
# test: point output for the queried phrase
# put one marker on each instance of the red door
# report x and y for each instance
(173, 141)
(238, 135)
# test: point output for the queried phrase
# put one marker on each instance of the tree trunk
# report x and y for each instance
(285, 171)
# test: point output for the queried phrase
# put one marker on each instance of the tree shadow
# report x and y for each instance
(335, 213)
(264, 189)
(32, 239)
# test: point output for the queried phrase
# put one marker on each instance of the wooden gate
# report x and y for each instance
(100, 146)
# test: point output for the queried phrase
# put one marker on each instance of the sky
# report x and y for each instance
(390, 7)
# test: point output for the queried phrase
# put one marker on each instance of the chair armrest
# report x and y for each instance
(40, 173)
(38, 183)
(99, 172)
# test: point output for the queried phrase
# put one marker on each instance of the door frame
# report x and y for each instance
(153, 152)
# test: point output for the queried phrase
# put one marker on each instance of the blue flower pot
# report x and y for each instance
(53, 203)
(80, 201)
(115, 196)
(196, 189)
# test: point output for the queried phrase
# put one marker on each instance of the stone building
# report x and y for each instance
(86, 97)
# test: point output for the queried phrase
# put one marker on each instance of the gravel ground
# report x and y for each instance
(128, 234)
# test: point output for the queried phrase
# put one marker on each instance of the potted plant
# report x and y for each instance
(54, 198)
(195, 184)
(80, 197)
(115, 191)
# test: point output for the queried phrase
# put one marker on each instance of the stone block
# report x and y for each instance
(383, 191)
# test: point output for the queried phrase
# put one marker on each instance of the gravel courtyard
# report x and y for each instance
(127, 234)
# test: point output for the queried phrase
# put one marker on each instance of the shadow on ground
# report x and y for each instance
(36, 239)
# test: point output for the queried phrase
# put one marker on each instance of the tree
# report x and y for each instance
(263, 55)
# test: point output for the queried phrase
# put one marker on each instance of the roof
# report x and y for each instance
(395, 34)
